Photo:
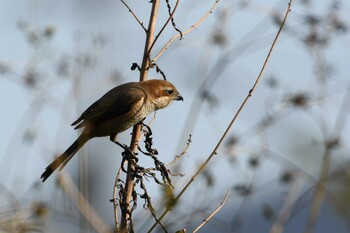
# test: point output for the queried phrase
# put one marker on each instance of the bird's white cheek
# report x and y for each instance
(162, 102)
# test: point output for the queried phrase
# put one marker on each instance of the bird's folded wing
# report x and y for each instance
(113, 104)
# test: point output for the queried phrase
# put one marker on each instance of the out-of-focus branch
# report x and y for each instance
(319, 192)
(82, 204)
(288, 206)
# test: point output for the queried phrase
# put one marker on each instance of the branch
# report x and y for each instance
(319, 193)
(213, 213)
(126, 210)
(82, 204)
(133, 14)
(184, 151)
(186, 32)
(250, 93)
(115, 193)
(164, 26)
(149, 40)
(288, 206)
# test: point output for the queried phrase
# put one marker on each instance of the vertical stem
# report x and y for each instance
(149, 40)
(319, 193)
(129, 184)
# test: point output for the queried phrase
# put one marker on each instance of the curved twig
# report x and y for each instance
(213, 213)
(250, 93)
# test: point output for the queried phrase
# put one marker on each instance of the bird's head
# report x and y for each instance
(162, 92)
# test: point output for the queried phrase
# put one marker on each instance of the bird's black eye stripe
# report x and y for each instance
(170, 91)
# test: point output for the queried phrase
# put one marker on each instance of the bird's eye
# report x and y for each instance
(170, 91)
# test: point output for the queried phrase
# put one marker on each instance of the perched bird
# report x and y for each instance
(119, 109)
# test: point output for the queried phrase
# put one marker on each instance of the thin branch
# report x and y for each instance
(114, 200)
(201, 168)
(319, 192)
(82, 204)
(288, 206)
(133, 14)
(164, 26)
(213, 213)
(186, 32)
(188, 143)
(343, 114)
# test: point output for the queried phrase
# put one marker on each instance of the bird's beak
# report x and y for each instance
(179, 97)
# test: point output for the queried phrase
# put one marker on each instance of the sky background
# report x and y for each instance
(58, 57)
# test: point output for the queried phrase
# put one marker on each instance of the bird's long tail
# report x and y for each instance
(64, 158)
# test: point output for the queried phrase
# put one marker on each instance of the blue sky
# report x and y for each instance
(108, 38)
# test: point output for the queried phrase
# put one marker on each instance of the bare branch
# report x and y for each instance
(126, 209)
(250, 93)
(164, 26)
(288, 206)
(186, 32)
(133, 14)
(82, 204)
(213, 213)
(182, 153)
(319, 193)
(114, 200)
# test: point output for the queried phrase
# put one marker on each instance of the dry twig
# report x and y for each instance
(165, 24)
(214, 212)
(250, 93)
(186, 32)
(288, 206)
(182, 153)
(115, 193)
(82, 204)
(133, 14)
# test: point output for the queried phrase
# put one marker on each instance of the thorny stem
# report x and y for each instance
(201, 168)
(129, 184)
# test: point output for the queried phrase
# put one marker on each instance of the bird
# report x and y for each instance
(116, 111)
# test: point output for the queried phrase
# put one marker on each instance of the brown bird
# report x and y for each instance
(119, 109)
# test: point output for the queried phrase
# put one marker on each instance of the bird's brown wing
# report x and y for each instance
(114, 103)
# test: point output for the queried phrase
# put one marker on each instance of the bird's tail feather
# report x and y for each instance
(64, 158)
